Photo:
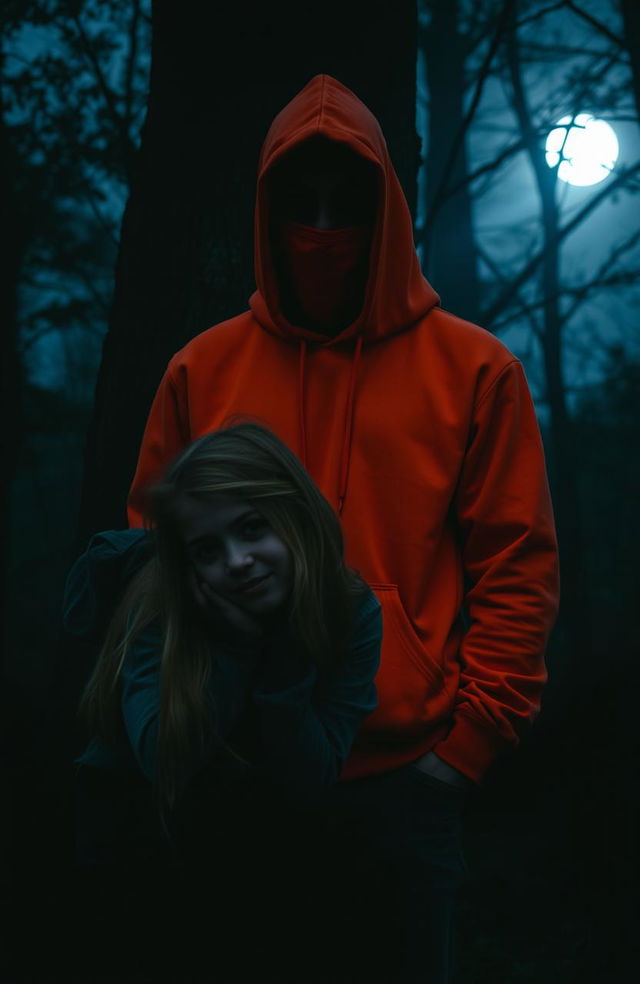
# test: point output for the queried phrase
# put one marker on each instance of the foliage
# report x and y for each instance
(74, 89)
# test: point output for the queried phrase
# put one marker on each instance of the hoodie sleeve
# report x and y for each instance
(166, 434)
(305, 731)
(510, 558)
(95, 582)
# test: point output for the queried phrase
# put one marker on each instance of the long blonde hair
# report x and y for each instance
(248, 461)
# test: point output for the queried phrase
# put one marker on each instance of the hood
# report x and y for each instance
(96, 581)
(397, 294)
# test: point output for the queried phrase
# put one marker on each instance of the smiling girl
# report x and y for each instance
(239, 662)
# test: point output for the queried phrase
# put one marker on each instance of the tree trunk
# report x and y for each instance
(11, 376)
(575, 599)
(631, 19)
(594, 821)
(448, 242)
(218, 78)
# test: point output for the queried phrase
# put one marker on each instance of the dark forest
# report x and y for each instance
(130, 134)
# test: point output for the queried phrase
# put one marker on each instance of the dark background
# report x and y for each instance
(129, 142)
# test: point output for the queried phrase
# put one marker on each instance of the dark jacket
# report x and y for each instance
(292, 723)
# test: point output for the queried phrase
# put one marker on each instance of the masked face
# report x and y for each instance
(323, 205)
(325, 271)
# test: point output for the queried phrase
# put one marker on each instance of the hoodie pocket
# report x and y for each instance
(411, 688)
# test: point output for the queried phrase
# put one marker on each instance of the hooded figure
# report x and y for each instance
(418, 426)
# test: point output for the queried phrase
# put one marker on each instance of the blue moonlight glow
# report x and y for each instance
(583, 148)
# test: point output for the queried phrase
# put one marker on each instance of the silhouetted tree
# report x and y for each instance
(567, 499)
(11, 372)
(448, 246)
(218, 78)
(529, 289)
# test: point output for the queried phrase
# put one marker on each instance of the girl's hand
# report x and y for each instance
(215, 607)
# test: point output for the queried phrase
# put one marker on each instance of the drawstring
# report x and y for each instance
(301, 421)
(345, 457)
(345, 453)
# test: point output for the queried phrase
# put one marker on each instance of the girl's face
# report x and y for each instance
(234, 550)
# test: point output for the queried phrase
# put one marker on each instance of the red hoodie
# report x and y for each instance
(420, 429)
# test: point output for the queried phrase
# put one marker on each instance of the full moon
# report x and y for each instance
(587, 149)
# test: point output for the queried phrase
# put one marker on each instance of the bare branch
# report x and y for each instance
(526, 309)
(599, 26)
(483, 74)
(120, 124)
(445, 192)
(106, 226)
(617, 118)
(102, 300)
(501, 302)
(598, 71)
(131, 62)
(550, 52)
(19, 58)
(600, 280)
(623, 278)
(542, 12)
(492, 165)
(27, 342)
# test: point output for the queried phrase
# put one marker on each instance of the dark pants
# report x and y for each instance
(358, 888)
(399, 838)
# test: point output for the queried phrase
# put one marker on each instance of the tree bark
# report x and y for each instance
(448, 241)
(13, 235)
(220, 73)
(586, 695)
(631, 19)
(566, 492)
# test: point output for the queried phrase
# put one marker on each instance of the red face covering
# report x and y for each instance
(325, 273)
